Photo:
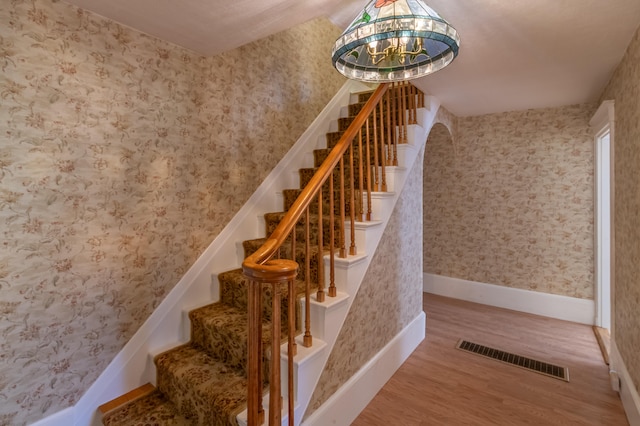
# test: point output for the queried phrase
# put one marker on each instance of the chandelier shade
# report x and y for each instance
(395, 40)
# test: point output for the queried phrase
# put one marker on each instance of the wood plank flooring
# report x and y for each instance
(441, 385)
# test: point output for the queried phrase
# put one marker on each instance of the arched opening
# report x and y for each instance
(438, 211)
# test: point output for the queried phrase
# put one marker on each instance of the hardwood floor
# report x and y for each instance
(441, 385)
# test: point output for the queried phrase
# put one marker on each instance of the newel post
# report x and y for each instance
(275, 272)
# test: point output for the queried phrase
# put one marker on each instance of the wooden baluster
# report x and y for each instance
(307, 340)
(383, 160)
(320, 294)
(412, 105)
(396, 114)
(343, 250)
(403, 90)
(390, 132)
(255, 411)
(368, 177)
(360, 177)
(275, 391)
(352, 209)
(292, 348)
(399, 111)
(332, 277)
(420, 99)
(396, 125)
(292, 299)
(376, 162)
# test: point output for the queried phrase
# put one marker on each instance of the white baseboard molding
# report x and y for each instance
(65, 417)
(549, 305)
(628, 392)
(347, 403)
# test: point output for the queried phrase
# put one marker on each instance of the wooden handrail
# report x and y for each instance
(261, 267)
(257, 265)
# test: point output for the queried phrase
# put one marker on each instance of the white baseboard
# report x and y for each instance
(65, 417)
(533, 302)
(628, 392)
(345, 405)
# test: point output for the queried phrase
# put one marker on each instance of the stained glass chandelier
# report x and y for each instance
(395, 40)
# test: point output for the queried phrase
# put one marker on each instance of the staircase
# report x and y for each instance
(204, 381)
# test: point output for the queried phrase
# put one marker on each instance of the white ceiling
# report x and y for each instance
(514, 55)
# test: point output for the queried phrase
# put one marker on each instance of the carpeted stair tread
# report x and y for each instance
(355, 108)
(273, 219)
(233, 288)
(250, 246)
(233, 291)
(221, 330)
(150, 409)
(363, 97)
(204, 390)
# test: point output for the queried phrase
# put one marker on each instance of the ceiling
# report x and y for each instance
(514, 55)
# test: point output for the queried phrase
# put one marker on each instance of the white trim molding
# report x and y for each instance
(347, 403)
(628, 392)
(603, 129)
(533, 302)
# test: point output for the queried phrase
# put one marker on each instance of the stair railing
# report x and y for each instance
(357, 165)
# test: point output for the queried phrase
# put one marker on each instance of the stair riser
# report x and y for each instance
(290, 198)
(313, 227)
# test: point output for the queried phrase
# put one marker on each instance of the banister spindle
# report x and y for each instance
(396, 125)
(320, 294)
(412, 105)
(307, 340)
(352, 208)
(291, 348)
(383, 161)
(360, 177)
(376, 164)
(399, 112)
(343, 250)
(255, 411)
(332, 277)
(389, 113)
(368, 176)
(275, 391)
(403, 87)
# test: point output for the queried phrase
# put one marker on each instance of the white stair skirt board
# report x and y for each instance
(347, 403)
(548, 305)
(628, 392)
(61, 418)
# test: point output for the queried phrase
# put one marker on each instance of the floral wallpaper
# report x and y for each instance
(121, 159)
(511, 201)
(624, 88)
(389, 298)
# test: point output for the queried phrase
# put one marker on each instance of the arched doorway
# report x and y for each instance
(438, 176)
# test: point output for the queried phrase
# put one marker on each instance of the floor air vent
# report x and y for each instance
(545, 368)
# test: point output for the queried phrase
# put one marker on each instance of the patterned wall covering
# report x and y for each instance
(511, 201)
(389, 298)
(624, 88)
(121, 159)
